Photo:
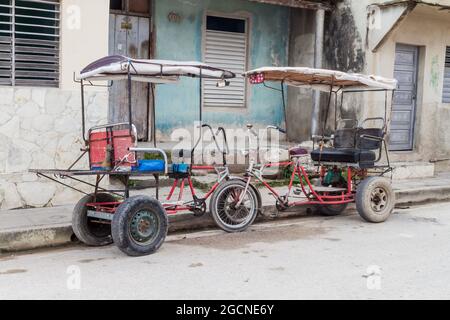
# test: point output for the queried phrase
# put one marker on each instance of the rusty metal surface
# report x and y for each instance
(304, 4)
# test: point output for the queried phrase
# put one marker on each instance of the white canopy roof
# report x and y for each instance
(322, 79)
(156, 71)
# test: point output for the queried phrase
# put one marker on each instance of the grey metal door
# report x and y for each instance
(405, 98)
(129, 36)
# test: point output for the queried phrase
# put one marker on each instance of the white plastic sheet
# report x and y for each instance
(323, 79)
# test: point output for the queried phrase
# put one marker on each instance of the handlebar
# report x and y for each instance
(219, 130)
(276, 128)
(224, 150)
(250, 128)
(373, 119)
(322, 138)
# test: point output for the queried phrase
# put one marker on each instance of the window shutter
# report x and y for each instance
(446, 91)
(6, 37)
(227, 50)
(29, 42)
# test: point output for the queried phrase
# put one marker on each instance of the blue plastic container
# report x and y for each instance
(150, 166)
(180, 168)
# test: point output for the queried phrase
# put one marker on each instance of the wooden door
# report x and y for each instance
(405, 98)
(130, 36)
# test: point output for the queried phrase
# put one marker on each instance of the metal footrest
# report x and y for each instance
(328, 189)
(100, 215)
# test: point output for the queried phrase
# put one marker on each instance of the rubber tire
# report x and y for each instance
(332, 210)
(121, 221)
(80, 221)
(363, 194)
(213, 201)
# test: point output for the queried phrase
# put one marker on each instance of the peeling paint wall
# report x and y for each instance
(301, 53)
(426, 27)
(182, 40)
(344, 50)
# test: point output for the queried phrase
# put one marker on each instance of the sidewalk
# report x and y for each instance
(26, 229)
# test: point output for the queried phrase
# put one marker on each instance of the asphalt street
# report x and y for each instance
(342, 257)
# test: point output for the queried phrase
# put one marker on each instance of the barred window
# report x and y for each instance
(446, 91)
(29, 42)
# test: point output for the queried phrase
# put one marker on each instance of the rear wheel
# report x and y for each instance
(89, 230)
(375, 199)
(332, 209)
(139, 226)
(232, 210)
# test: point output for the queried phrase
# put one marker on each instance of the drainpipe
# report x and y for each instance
(318, 54)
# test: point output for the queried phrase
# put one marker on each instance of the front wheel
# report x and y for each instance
(234, 208)
(139, 226)
(375, 199)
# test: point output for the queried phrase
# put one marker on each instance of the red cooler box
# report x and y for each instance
(109, 149)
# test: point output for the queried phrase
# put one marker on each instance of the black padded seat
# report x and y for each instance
(343, 155)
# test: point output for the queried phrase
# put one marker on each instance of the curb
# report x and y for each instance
(422, 195)
(59, 235)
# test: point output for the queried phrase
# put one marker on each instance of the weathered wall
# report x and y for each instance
(347, 50)
(82, 42)
(432, 136)
(301, 53)
(41, 127)
(269, 30)
(344, 50)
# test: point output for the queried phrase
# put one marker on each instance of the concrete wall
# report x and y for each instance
(432, 138)
(268, 35)
(301, 53)
(41, 127)
(348, 50)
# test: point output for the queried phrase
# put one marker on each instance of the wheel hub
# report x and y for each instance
(143, 226)
(378, 199)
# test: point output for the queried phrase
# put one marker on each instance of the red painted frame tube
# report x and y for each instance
(172, 190)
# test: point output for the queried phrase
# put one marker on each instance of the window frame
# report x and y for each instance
(248, 23)
(446, 50)
(126, 10)
(58, 39)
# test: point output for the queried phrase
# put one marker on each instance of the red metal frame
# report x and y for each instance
(110, 207)
(314, 198)
(175, 208)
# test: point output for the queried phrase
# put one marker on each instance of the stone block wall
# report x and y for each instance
(41, 128)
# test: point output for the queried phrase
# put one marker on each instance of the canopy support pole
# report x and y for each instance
(200, 99)
(83, 121)
(318, 56)
(284, 103)
(152, 89)
(130, 118)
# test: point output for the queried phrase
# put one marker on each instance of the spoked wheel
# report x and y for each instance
(139, 226)
(332, 209)
(232, 210)
(89, 230)
(375, 199)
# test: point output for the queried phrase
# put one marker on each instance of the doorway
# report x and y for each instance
(405, 98)
(129, 35)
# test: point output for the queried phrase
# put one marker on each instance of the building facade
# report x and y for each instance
(44, 42)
